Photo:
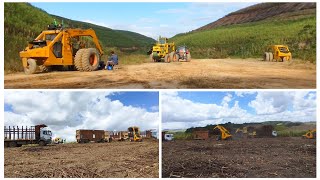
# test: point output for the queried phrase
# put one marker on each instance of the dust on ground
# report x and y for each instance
(200, 73)
(92, 160)
(245, 158)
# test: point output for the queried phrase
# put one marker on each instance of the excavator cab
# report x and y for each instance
(224, 133)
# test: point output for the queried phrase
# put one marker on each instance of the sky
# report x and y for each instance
(181, 110)
(65, 112)
(150, 19)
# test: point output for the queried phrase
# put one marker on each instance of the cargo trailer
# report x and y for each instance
(15, 136)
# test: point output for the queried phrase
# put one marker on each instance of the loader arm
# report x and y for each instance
(87, 32)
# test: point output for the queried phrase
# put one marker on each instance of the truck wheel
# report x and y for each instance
(78, 59)
(42, 143)
(188, 57)
(13, 144)
(166, 58)
(172, 57)
(31, 67)
(266, 56)
(19, 145)
(270, 56)
(90, 59)
(6, 144)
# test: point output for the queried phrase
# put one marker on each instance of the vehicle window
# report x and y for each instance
(162, 41)
(283, 50)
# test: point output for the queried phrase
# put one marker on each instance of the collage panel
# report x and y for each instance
(155, 45)
(238, 134)
(68, 134)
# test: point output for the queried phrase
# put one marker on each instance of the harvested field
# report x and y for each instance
(245, 158)
(199, 73)
(92, 160)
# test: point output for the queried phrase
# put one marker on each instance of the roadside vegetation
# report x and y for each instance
(251, 40)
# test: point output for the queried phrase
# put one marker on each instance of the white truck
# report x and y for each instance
(16, 137)
(168, 137)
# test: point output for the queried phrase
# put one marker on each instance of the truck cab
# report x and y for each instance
(46, 135)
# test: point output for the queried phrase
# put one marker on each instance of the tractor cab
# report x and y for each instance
(162, 40)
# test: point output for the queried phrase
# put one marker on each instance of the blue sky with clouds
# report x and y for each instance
(151, 19)
(189, 109)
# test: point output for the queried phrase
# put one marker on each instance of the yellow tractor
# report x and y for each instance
(58, 46)
(246, 132)
(311, 134)
(278, 53)
(134, 134)
(224, 133)
(162, 51)
(58, 140)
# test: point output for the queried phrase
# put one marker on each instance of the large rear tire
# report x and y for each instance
(172, 56)
(78, 59)
(188, 57)
(266, 56)
(270, 56)
(31, 67)
(90, 59)
(167, 58)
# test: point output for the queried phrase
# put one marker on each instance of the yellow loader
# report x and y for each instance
(58, 46)
(278, 53)
(134, 134)
(162, 51)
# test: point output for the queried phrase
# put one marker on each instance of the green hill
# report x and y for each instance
(249, 37)
(23, 22)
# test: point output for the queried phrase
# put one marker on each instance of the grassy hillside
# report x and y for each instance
(23, 22)
(251, 39)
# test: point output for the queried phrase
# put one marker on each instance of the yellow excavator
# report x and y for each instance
(224, 133)
(247, 133)
(311, 134)
(134, 134)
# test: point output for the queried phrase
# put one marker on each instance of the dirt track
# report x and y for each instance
(116, 159)
(251, 158)
(204, 73)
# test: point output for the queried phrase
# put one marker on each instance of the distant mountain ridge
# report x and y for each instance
(261, 12)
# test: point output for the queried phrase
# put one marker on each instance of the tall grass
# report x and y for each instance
(182, 136)
(291, 133)
(252, 39)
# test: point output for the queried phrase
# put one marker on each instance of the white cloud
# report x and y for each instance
(98, 23)
(65, 112)
(269, 106)
(242, 93)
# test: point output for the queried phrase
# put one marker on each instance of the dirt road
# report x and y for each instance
(253, 158)
(116, 159)
(201, 73)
